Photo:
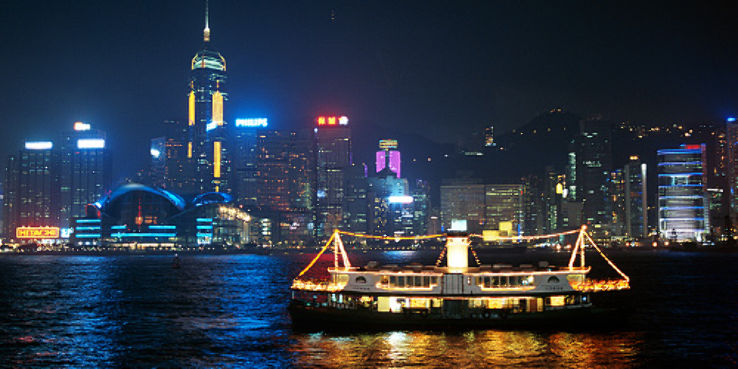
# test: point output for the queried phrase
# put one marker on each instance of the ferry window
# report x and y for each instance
(360, 279)
(410, 281)
(401, 280)
(426, 281)
(553, 279)
(487, 281)
(434, 280)
(393, 281)
(385, 280)
(418, 281)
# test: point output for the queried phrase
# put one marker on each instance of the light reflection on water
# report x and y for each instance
(481, 348)
(229, 311)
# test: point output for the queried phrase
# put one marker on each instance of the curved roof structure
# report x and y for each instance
(174, 199)
(211, 197)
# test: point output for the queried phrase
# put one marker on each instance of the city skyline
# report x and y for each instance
(312, 63)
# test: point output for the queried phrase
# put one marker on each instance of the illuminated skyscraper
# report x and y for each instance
(31, 187)
(731, 131)
(388, 156)
(593, 165)
(85, 171)
(168, 158)
(682, 213)
(636, 206)
(333, 140)
(209, 159)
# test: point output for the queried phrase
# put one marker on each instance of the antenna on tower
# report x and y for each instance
(206, 31)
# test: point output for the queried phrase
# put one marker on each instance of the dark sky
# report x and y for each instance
(441, 69)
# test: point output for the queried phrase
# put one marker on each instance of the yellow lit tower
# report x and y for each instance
(205, 148)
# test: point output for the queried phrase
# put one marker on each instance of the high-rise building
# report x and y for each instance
(636, 205)
(333, 153)
(617, 203)
(391, 206)
(731, 131)
(356, 208)
(489, 136)
(31, 185)
(463, 200)
(209, 159)
(682, 204)
(284, 177)
(593, 165)
(388, 157)
(421, 206)
(84, 172)
(245, 158)
(503, 208)
(174, 157)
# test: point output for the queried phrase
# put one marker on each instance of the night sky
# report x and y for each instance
(440, 69)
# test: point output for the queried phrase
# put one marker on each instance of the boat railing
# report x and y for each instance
(595, 285)
(317, 285)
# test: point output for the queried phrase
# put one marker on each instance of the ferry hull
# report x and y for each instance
(325, 316)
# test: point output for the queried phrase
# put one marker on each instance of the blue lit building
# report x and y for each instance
(135, 216)
(682, 205)
(207, 153)
(85, 170)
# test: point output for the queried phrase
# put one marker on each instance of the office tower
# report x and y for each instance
(421, 206)
(463, 200)
(176, 176)
(534, 210)
(356, 201)
(85, 171)
(284, 177)
(245, 156)
(593, 165)
(617, 203)
(731, 131)
(682, 204)
(489, 136)
(503, 208)
(209, 159)
(157, 165)
(31, 186)
(636, 206)
(391, 206)
(333, 153)
(388, 156)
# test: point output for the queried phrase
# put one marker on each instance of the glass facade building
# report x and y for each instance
(682, 204)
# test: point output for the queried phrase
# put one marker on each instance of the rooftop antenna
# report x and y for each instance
(206, 31)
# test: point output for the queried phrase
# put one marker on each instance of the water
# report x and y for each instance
(229, 311)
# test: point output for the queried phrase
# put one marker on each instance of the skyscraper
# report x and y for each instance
(333, 153)
(636, 206)
(731, 131)
(245, 158)
(85, 170)
(209, 159)
(593, 165)
(682, 212)
(388, 156)
(31, 187)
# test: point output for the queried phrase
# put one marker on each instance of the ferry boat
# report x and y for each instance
(456, 294)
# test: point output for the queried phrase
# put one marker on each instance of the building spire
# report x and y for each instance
(206, 31)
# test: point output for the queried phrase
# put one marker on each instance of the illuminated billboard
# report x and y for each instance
(251, 122)
(401, 199)
(39, 145)
(37, 232)
(90, 143)
(79, 126)
(388, 144)
(332, 120)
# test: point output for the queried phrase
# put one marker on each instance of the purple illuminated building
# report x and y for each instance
(388, 155)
